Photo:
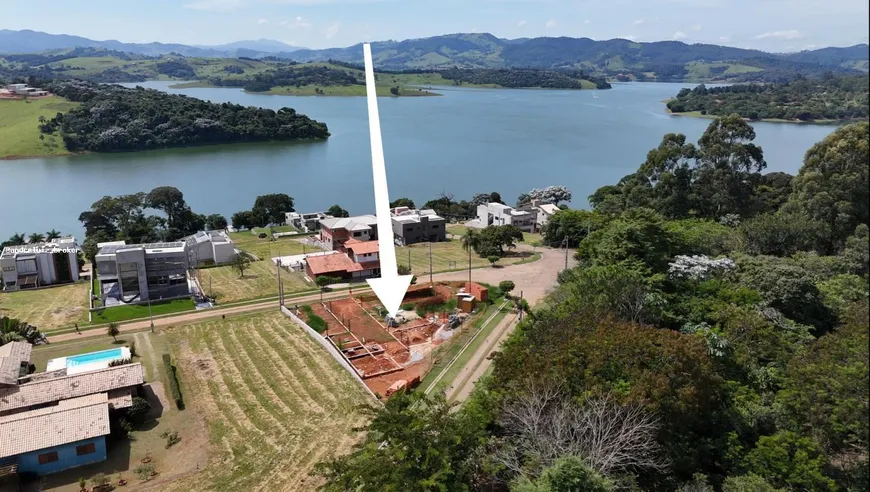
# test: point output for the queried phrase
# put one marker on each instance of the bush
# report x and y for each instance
(407, 307)
(144, 472)
(317, 323)
(138, 411)
(173, 382)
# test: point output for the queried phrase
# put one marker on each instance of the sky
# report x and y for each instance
(770, 25)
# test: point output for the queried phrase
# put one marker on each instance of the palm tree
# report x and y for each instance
(113, 330)
(12, 330)
(15, 240)
(470, 240)
(36, 237)
(52, 234)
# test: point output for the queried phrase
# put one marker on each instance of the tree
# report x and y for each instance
(394, 91)
(567, 474)
(470, 240)
(13, 330)
(113, 331)
(323, 281)
(272, 208)
(52, 234)
(138, 411)
(506, 286)
(787, 460)
(242, 220)
(36, 238)
(493, 259)
(832, 185)
(337, 211)
(215, 222)
(573, 225)
(403, 202)
(169, 200)
(637, 236)
(240, 263)
(16, 239)
(550, 194)
(414, 442)
(783, 234)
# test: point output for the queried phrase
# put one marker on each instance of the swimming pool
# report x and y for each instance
(101, 356)
(91, 361)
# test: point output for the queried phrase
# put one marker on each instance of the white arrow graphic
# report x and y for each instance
(391, 287)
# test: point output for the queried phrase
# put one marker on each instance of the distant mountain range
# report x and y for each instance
(667, 59)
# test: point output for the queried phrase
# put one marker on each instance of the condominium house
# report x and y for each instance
(210, 248)
(25, 90)
(40, 264)
(306, 222)
(360, 260)
(142, 272)
(543, 212)
(53, 421)
(416, 226)
(490, 214)
(336, 231)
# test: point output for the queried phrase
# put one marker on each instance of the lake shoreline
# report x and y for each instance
(697, 114)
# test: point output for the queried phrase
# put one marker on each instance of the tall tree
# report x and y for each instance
(52, 234)
(35, 238)
(832, 186)
(215, 222)
(337, 211)
(403, 202)
(271, 208)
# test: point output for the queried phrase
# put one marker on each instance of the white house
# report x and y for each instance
(40, 264)
(309, 222)
(492, 213)
(210, 248)
(543, 212)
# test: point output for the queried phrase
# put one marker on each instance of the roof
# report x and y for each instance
(53, 246)
(415, 218)
(111, 243)
(73, 420)
(549, 208)
(65, 387)
(357, 223)
(362, 247)
(321, 265)
(11, 356)
(497, 206)
(175, 247)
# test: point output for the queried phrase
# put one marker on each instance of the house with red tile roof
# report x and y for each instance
(359, 261)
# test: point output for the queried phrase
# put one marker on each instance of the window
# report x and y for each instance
(86, 449)
(47, 458)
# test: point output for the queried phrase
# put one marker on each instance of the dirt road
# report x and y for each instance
(464, 383)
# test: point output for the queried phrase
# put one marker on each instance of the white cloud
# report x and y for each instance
(679, 35)
(551, 24)
(587, 21)
(696, 27)
(298, 22)
(332, 30)
(638, 22)
(263, 21)
(790, 34)
(522, 23)
(724, 39)
(214, 5)
(630, 37)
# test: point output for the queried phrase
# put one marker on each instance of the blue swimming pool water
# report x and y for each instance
(102, 355)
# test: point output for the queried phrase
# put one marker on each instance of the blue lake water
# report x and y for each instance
(467, 141)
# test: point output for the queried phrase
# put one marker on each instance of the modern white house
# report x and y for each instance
(415, 226)
(25, 90)
(130, 273)
(309, 222)
(40, 264)
(210, 248)
(543, 212)
(498, 214)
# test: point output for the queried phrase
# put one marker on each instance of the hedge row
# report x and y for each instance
(173, 382)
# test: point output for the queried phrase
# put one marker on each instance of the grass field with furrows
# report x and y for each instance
(48, 308)
(19, 126)
(274, 403)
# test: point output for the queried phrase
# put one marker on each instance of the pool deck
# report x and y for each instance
(62, 362)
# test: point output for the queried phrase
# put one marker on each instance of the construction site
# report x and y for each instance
(391, 353)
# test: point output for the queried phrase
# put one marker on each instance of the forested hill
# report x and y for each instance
(115, 118)
(833, 97)
(713, 337)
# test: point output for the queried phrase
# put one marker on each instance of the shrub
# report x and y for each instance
(506, 286)
(144, 472)
(173, 382)
(317, 323)
(99, 479)
(138, 410)
(120, 362)
(407, 307)
(133, 349)
(171, 438)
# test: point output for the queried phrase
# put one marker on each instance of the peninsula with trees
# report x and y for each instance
(833, 97)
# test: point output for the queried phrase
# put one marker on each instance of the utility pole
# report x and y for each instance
(280, 287)
(566, 253)
(409, 259)
(521, 306)
(469, 267)
(150, 315)
(430, 263)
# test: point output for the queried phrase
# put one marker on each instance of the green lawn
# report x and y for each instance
(49, 308)
(19, 132)
(267, 248)
(447, 256)
(459, 230)
(125, 313)
(260, 280)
